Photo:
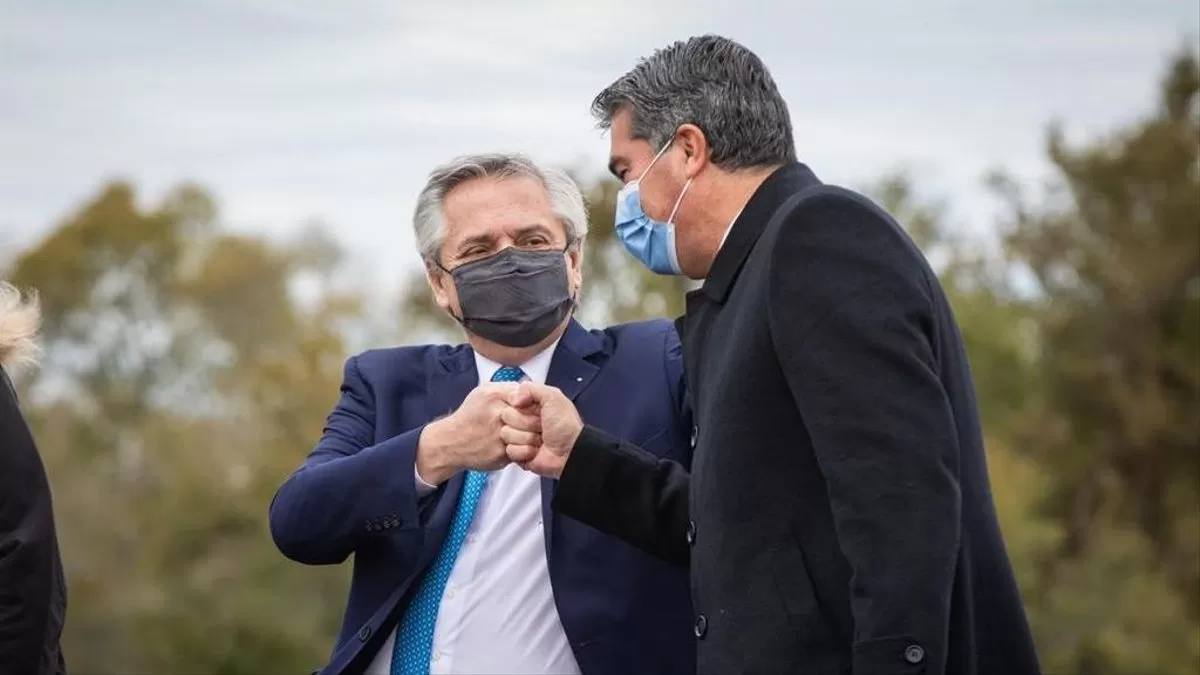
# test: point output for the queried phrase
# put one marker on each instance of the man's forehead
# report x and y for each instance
(497, 207)
(486, 196)
(624, 150)
(621, 123)
(489, 231)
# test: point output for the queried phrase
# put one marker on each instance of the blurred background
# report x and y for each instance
(213, 199)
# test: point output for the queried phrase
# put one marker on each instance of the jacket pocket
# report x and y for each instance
(794, 587)
(798, 595)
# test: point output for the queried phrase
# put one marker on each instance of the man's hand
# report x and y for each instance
(467, 439)
(540, 427)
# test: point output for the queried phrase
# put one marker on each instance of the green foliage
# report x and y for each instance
(1115, 253)
(184, 380)
(1110, 610)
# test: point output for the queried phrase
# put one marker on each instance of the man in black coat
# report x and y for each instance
(33, 598)
(840, 515)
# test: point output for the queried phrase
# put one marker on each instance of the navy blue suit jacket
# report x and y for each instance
(624, 612)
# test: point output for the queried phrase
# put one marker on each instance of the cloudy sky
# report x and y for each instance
(294, 109)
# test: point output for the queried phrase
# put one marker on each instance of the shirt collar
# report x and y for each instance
(730, 228)
(535, 368)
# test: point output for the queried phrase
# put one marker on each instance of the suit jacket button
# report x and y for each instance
(691, 533)
(914, 654)
(695, 435)
(364, 633)
(701, 626)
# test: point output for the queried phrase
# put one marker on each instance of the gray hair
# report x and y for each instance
(429, 222)
(717, 85)
(20, 319)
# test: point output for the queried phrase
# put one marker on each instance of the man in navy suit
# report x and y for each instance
(460, 566)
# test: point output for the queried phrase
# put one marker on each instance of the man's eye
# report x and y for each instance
(534, 242)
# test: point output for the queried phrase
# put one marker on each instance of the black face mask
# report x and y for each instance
(515, 298)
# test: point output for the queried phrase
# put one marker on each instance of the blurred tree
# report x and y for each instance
(1115, 255)
(183, 380)
(616, 288)
(1111, 612)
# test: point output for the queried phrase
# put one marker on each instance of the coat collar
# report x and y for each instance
(782, 184)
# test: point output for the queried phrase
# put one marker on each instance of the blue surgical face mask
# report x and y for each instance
(649, 240)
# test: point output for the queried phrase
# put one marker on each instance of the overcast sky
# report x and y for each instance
(294, 109)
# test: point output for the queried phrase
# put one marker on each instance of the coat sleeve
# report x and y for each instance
(349, 490)
(627, 492)
(624, 491)
(28, 549)
(850, 312)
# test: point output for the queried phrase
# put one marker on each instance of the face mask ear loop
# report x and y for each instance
(671, 219)
(652, 163)
(437, 262)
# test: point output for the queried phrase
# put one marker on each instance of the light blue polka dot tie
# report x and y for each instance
(414, 636)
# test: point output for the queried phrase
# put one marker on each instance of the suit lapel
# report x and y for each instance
(450, 380)
(572, 369)
(448, 383)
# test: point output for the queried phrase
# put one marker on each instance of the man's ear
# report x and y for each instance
(575, 267)
(439, 284)
(695, 147)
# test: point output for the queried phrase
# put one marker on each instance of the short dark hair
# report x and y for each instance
(714, 83)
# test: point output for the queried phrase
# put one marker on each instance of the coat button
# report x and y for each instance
(691, 532)
(695, 435)
(364, 633)
(701, 626)
(914, 654)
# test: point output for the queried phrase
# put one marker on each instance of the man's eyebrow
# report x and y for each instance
(477, 239)
(534, 228)
(612, 166)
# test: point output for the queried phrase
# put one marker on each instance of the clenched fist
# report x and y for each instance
(540, 427)
(467, 439)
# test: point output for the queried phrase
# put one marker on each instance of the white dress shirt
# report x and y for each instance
(497, 614)
(729, 229)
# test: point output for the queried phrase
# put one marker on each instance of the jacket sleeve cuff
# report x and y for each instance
(897, 655)
(578, 491)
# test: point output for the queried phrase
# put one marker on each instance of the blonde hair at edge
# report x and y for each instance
(20, 318)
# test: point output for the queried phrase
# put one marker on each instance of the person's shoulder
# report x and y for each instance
(831, 229)
(834, 210)
(10, 405)
(639, 334)
(404, 361)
